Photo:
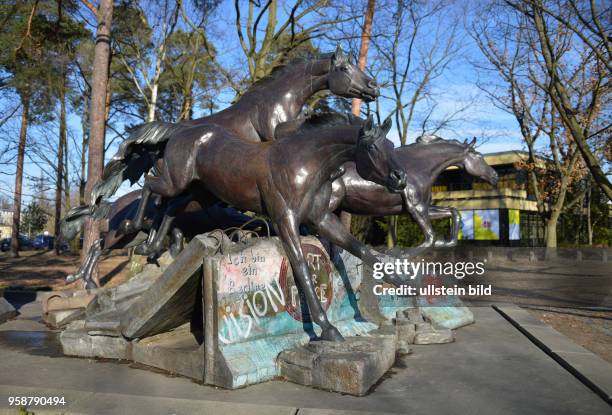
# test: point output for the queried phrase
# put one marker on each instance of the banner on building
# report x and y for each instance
(514, 222)
(466, 227)
(486, 225)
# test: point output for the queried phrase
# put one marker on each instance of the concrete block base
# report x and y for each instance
(351, 367)
(427, 334)
(79, 343)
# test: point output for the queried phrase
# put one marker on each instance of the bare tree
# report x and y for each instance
(554, 165)
(143, 50)
(415, 42)
(260, 45)
(23, 134)
(577, 115)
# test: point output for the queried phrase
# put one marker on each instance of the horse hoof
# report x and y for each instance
(90, 285)
(332, 334)
(152, 259)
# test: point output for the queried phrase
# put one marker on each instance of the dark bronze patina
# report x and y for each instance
(423, 162)
(191, 221)
(273, 100)
(288, 180)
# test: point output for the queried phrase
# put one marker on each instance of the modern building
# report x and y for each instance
(506, 215)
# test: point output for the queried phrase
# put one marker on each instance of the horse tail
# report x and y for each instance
(73, 221)
(136, 155)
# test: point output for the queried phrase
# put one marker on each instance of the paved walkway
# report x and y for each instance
(491, 369)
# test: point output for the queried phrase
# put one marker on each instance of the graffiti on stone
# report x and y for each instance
(321, 271)
(257, 291)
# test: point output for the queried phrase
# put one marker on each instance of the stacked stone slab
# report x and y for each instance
(154, 301)
(61, 308)
(351, 367)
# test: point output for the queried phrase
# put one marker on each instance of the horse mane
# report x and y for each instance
(326, 119)
(428, 139)
(282, 69)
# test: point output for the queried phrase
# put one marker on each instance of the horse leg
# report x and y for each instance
(159, 215)
(79, 274)
(330, 227)
(420, 213)
(175, 205)
(95, 253)
(289, 234)
(127, 226)
(177, 242)
(437, 212)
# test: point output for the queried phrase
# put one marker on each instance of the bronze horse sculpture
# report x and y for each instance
(192, 221)
(289, 180)
(275, 99)
(423, 163)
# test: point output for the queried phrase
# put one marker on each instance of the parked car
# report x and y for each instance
(43, 242)
(24, 243)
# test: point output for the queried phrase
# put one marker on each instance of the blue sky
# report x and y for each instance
(452, 90)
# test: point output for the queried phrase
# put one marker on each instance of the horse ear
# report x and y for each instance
(366, 133)
(473, 142)
(338, 56)
(386, 127)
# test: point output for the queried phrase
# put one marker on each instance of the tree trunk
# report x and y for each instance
(363, 48)
(551, 229)
(159, 60)
(589, 224)
(153, 104)
(187, 104)
(563, 103)
(60, 167)
(23, 135)
(345, 217)
(98, 114)
(392, 231)
(67, 202)
(84, 151)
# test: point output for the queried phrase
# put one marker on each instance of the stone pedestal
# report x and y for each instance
(351, 367)
(252, 309)
(231, 315)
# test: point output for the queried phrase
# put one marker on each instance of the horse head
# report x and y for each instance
(345, 79)
(375, 158)
(475, 164)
